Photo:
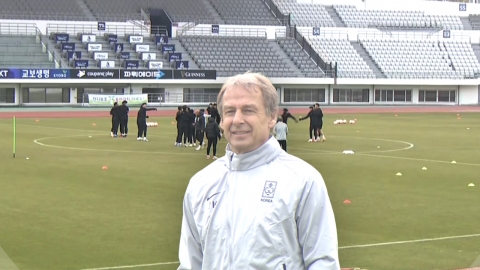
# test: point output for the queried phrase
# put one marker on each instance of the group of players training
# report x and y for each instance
(192, 125)
(119, 115)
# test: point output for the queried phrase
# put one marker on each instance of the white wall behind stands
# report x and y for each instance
(429, 7)
(466, 94)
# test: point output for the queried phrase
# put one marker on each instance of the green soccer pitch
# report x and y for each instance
(61, 211)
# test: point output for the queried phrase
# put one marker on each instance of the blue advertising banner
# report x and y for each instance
(112, 38)
(118, 47)
(181, 64)
(81, 63)
(125, 55)
(87, 73)
(75, 55)
(132, 64)
(172, 57)
(168, 48)
(68, 47)
(62, 37)
(161, 39)
(34, 73)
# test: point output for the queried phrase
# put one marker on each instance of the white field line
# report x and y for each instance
(132, 266)
(411, 241)
(344, 247)
(312, 151)
(420, 159)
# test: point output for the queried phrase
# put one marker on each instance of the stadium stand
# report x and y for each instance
(423, 58)
(178, 10)
(121, 51)
(22, 46)
(42, 10)
(231, 55)
(474, 20)
(252, 12)
(22, 51)
(305, 14)
(353, 17)
(349, 62)
(300, 57)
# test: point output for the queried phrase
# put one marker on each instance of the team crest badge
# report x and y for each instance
(269, 189)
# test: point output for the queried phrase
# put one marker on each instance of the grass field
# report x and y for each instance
(60, 210)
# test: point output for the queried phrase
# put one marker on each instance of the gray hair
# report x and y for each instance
(252, 82)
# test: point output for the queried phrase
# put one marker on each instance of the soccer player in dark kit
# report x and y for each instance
(184, 120)
(177, 119)
(310, 128)
(115, 113)
(200, 129)
(124, 110)
(286, 114)
(142, 122)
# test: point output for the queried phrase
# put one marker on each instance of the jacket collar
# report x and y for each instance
(262, 155)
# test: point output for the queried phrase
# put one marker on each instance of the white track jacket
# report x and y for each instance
(265, 210)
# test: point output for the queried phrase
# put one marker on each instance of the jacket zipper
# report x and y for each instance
(284, 267)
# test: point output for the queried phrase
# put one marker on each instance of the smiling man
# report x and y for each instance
(257, 207)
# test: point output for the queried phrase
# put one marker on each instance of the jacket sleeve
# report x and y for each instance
(307, 116)
(317, 232)
(190, 250)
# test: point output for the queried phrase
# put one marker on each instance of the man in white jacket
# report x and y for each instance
(257, 207)
(280, 130)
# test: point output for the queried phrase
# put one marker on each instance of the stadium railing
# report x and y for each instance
(120, 30)
(20, 29)
(224, 31)
(26, 15)
(436, 36)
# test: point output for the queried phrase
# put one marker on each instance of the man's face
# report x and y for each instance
(245, 122)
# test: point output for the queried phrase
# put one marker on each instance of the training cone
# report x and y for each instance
(396, 114)
(104, 168)
(453, 162)
(468, 128)
(458, 118)
(347, 202)
(37, 120)
(471, 185)
(399, 174)
(94, 124)
(173, 123)
(424, 168)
